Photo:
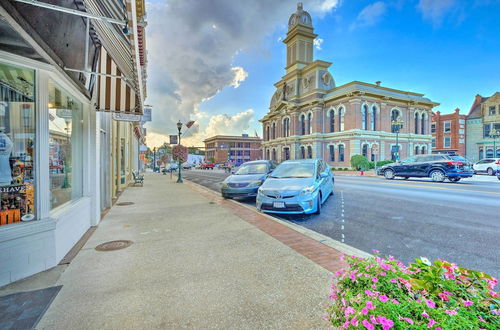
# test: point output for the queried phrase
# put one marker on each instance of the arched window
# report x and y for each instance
(286, 152)
(267, 155)
(332, 121)
(286, 127)
(423, 150)
(481, 154)
(303, 125)
(394, 116)
(332, 153)
(309, 152)
(309, 123)
(267, 133)
(341, 153)
(274, 131)
(341, 119)
(422, 125)
(416, 123)
(274, 154)
(364, 150)
(364, 117)
(373, 118)
(302, 152)
(417, 149)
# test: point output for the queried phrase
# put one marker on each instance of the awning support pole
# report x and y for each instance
(87, 32)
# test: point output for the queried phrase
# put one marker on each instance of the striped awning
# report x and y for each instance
(115, 94)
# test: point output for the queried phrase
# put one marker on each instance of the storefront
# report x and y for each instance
(47, 157)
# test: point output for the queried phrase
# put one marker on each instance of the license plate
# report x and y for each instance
(279, 205)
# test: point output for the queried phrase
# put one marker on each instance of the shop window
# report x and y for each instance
(65, 146)
(17, 144)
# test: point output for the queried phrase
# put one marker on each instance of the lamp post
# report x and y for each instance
(398, 123)
(495, 134)
(179, 178)
(154, 159)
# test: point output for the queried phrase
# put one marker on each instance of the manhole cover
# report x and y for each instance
(113, 245)
(125, 203)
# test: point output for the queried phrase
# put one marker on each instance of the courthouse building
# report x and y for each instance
(311, 117)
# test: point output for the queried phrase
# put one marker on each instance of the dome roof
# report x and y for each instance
(301, 17)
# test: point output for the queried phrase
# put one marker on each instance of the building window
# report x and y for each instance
(424, 151)
(309, 123)
(447, 127)
(492, 110)
(364, 117)
(489, 153)
(66, 147)
(447, 142)
(274, 154)
(341, 153)
(417, 150)
(17, 144)
(422, 124)
(434, 143)
(416, 123)
(302, 152)
(287, 153)
(309, 152)
(267, 155)
(274, 131)
(433, 128)
(481, 154)
(365, 150)
(267, 133)
(332, 153)
(286, 127)
(486, 130)
(302, 125)
(373, 118)
(332, 121)
(341, 119)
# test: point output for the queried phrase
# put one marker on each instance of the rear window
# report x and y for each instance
(459, 159)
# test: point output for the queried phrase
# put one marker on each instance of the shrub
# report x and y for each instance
(384, 162)
(384, 293)
(346, 169)
(359, 161)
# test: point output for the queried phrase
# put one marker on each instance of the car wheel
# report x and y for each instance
(455, 179)
(318, 208)
(490, 171)
(389, 174)
(437, 176)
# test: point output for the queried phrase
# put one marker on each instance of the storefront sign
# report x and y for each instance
(126, 117)
(146, 114)
(173, 139)
(12, 189)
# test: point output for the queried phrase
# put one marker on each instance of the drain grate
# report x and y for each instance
(113, 245)
(125, 203)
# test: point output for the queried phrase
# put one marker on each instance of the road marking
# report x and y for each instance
(440, 188)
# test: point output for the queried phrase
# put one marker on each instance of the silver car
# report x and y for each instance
(296, 187)
(245, 180)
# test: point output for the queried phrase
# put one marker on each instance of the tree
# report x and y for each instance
(359, 162)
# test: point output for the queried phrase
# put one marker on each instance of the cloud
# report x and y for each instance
(370, 15)
(434, 11)
(317, 43)
(191, 48)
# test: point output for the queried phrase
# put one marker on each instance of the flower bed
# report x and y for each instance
(383, 293)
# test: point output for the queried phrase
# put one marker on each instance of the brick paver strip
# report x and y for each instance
(325, 256)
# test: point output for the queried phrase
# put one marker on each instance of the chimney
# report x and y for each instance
(457, 110)
(478, 99)
(378, 83)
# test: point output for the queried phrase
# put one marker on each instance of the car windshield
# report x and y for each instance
(459, 159)
(247, 169)
(293, 170)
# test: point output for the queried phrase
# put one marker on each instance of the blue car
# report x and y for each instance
(245, 181)
(498, 174)
(296, 187)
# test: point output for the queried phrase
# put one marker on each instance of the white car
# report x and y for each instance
(487, 165)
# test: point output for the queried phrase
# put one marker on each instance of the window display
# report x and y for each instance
(17, 137)
(65, 146)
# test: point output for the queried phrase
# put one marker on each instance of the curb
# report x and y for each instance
(325, 240)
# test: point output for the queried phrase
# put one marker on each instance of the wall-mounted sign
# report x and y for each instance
(146, 116)
(126, 117)
(173, 139)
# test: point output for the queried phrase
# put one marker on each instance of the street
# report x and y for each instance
(458, 222)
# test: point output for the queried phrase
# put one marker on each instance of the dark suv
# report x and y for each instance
(436, 167)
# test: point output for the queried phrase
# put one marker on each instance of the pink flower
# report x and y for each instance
(438, 328)
(447, 293)
(326, 318)
(393, 280)
(496, 312)
(468, 303)
(431, 323)
(373, 319)
(385, 266)
(364, 310)
(481, 319)
(383, 273)
(368, 325)
(376, 251)
(349, 310)
(374, 279)
(369, 304)
(395, 301)
(386, 323)
(383, 298)
(338, 273)
(424, 314)
(374, 286)
(343, 302)
(430, 303)
(443, 296)
(451, 312)
(406, 319)
(354, 322)
(342, 258)
(368, 293)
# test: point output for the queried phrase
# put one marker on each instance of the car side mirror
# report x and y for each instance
(324, 175)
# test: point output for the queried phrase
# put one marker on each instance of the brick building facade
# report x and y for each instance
(448, 133)
(311, 117)
(236, 149)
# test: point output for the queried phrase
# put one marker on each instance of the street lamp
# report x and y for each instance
(154, 159)
(495, 134)
(398, 124)
(179, 127)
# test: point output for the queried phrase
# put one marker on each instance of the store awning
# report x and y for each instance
(115, 94)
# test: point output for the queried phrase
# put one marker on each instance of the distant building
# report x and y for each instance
(311, 117)
(483, 118)
(448, 133)
(236, 149)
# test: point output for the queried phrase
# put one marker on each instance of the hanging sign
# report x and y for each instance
(126, 117)
(173, 139)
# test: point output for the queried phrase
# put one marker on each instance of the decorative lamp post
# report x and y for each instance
(154, 159)
(398, 124)
(495, 134)
(179, 178)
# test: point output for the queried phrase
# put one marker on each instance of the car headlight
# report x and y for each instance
(307, 191)
(255, 183)
(224, 184)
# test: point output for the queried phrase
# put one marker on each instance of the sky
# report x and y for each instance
(215, 61)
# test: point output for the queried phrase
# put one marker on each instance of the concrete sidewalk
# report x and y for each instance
(194, 264)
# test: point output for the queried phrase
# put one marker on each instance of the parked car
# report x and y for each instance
(245, 181)
(186, 166)
(498, 174)
(489, 166)
(207, 166)
(437, 167)
(296, 187)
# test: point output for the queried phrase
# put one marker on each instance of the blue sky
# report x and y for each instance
(448, 50)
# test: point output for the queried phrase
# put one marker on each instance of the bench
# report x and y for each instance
(138, 178)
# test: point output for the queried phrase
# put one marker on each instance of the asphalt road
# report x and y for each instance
(458, 222)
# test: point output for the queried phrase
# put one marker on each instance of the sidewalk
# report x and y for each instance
(193, 263)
